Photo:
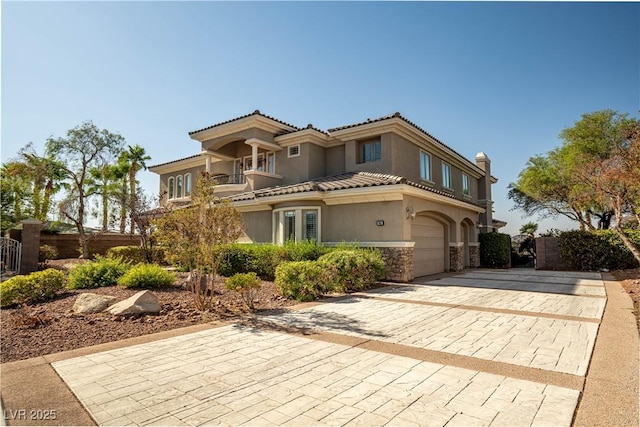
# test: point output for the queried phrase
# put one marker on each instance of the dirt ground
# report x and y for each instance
(51, 326)
(630, 280)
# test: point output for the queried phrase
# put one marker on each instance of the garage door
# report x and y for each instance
(428, 252)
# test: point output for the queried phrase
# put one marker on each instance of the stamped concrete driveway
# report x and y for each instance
(499, 348)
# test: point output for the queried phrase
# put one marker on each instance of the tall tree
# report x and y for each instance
(104, 180)
(561, 182)
(84, 147)
(137, 157)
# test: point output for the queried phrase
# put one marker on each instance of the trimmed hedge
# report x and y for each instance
(263, 259)
(98, 273)
(304, 280)
(38, 286)
(338, 271)
(597, 250)
(495, 250)
(356, 269)
(147, 276)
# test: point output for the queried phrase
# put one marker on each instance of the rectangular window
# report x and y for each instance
(289, 226)
(465, 185)
(310, 224)
(446, 175)
(371, 152)
(271, 163)
(293, 151)
(425, 166)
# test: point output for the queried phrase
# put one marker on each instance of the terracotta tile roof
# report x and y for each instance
(309, 126)
(331, 183)
(255, 113)
(176, 161)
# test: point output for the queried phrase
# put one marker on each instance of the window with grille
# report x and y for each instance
(370, 151)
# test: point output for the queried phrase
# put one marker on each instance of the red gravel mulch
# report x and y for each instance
(630, 280)
(51, 327)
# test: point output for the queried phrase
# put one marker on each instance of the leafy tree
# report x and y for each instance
(593, 174)
(137, 158)
(15, 189)
(561, 182)
(529, 229)
(191, 236)
(85, 147)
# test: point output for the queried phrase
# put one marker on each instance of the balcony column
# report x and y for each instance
(254, 156)
(208, 163)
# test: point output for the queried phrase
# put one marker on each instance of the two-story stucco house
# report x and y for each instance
(385, 183)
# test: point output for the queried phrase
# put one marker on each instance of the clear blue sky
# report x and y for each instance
(503, 78)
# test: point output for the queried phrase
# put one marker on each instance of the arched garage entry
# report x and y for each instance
(429, 231)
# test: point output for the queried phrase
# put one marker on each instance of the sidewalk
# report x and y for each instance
(480, 348)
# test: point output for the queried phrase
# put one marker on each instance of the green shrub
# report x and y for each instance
(38, 286)
(308, 250)
(147, 276)
(356, 269)
(247, 285)
(46, 253)
(495, 250)
(131, 254)
(305, 280)
(592, 251)
(97, 273)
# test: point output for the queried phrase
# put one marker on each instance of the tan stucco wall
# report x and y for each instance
(258, 226)
(451, 216)
(357, 222)
(334, 160)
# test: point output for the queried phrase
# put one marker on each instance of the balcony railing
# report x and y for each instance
(237, 178)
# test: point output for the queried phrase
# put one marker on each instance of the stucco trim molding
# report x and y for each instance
(393, 244)
(456, 244)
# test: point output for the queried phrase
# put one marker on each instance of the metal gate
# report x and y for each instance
(10, 255)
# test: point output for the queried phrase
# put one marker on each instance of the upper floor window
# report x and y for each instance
(370, 151)
(170, 185)
(293, 151)
(179, 186)
(446, 175)
(465, 185)
(271, 163)
(425, 166)
(187, 184)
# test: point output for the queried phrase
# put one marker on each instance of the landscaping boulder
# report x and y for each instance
(141, 303)
(92, 303)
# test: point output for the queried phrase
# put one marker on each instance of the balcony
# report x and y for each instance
(238, 178)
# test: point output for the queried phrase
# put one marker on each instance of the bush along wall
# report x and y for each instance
(597, 250)
(495, 250)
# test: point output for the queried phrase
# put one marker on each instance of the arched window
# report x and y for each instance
(179, 186)
(170, 185)
(187, 185)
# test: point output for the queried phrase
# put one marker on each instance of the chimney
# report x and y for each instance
(484, 192)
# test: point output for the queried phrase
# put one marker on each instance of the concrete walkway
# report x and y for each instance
(498, 348)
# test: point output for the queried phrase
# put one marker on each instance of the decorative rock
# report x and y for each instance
(92, 303)
(141, 303)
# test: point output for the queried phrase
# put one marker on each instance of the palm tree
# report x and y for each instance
(104, 181)
(137, 157)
